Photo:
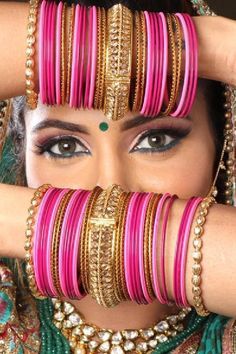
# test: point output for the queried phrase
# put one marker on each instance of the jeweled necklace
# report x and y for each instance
(87, 338)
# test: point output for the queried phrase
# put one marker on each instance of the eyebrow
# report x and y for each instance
(56, 123)
(136, 121)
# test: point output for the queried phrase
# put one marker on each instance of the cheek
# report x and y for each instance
(188, 173)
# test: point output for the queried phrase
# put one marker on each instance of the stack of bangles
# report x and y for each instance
(89, 62)
(112, 245)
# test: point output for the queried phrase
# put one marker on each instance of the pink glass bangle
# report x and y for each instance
(127, 246)
(41, 52)
(38, 249)
(194, 206)
(82, 57)
(94, 58)
(75, 57)
(147, 298)
(162, 249)
(164, 69)
(58, 52)
(159, 62)
(89, 58)
(155, 49)
(48, 234)
(156, 283)
(182, 102)
(47, 52)
(178, 250)
(52, 53)
(194, 52)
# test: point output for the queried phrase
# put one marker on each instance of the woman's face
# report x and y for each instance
(66, 148)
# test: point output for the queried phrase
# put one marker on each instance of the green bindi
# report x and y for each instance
(103, 126)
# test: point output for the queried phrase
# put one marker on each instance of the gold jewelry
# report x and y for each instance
(118, 61)
(87, 338)
(197, 257)
(84, 251)
(70, 46)
(102, 232)
(144, 59)
(174, 67)
(56, 239)
(63, 65)
(138, 61)
(99, 58)
(5, 114)
(34, 204)
(31, 95)
(177, 27)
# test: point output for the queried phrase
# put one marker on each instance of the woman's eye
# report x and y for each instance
(63, 148)
(156, 141)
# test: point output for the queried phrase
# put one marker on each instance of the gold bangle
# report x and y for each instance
(99, 59)
(118, 255)
(84, 240)
(171, 102)
(103, 56)
(135, 100)
(144, 59)
(56, 239)
(178, 32)
(70, 47)
(118, 61)
(197, 257)
(63, 53)
(34, 204)
(5, 114)
(103, 222)
(31, 95)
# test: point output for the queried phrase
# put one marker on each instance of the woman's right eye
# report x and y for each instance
(63, 148)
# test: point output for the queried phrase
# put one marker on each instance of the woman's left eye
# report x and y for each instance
(63, 147)
(157, 141)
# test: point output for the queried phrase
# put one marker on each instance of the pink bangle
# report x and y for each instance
(89, 58)
(127, 246)
(156, 284)
(58, 52)
(82, 57)
(48, 234)
(164, 68)
(178, 250)
(52, 53)
(75, 58)
(156, 62)
(194, 205)
(194, 52)
(38, 249)
(162, 249)
(48, 53)
(159, 62)
(41, 52)
(94, 58)
(146, 199)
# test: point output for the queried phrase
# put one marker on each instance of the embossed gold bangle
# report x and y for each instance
(84, 241)
(178, 32)
(118, 61)
(197, 257)
(56, 239)
(29, 233)
(63, 53)
(70, 47)
(135, 100)
(103, 222)
(31, 95)
(5, 114)
(171, 102)
(118, 255)
(99, 61)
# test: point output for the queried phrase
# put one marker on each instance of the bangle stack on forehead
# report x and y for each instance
(115, 60)
(109, 244)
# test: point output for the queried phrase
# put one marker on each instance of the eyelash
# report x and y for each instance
(176, 134)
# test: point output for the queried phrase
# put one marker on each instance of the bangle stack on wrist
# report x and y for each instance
(112, 245)
(101, 64)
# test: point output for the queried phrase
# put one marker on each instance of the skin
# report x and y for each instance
(185, 168)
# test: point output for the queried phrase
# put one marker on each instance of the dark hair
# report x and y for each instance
(212, 90)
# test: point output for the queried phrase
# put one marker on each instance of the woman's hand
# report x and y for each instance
(217, 48)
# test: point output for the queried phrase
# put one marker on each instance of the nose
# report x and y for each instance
(111, 169)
